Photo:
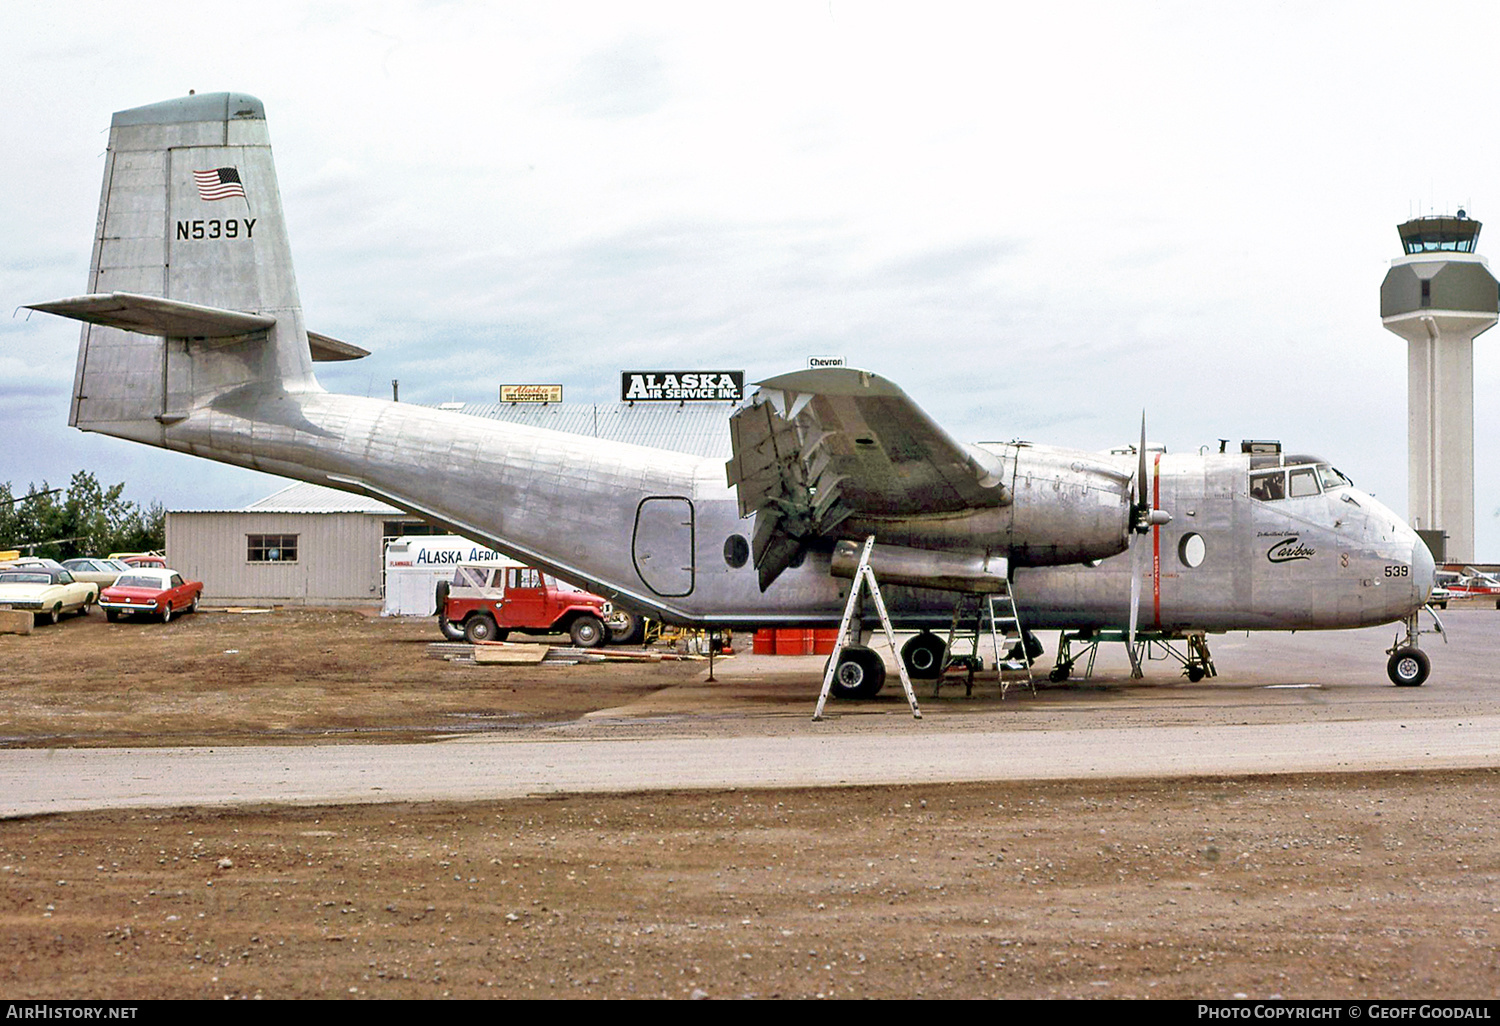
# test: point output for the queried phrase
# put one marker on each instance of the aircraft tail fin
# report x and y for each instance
(191, 291)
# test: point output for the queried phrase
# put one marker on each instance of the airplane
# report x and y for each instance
(194, 340)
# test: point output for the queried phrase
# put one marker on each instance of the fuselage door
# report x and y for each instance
(663, 544)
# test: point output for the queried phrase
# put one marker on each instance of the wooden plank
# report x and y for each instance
(491, 654)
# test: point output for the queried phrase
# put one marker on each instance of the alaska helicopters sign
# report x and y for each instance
(681, 386)
(531, 393)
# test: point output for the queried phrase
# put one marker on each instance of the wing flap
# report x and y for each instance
(817, 447)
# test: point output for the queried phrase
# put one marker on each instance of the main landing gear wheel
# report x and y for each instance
(1196, 673)
(923, 656)
(1032, 645)
(587, 632)
(860, 673)
(1408, 667)
(626, 628)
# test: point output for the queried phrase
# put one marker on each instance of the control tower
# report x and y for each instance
(1438, 296)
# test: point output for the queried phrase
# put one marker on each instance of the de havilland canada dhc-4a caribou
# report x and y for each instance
(194, 340)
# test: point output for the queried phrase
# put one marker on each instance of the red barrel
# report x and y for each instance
(764, 642)
(794, 642)
(824, 641)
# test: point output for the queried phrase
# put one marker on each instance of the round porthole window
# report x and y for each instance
(1191, 550)
(736, 551)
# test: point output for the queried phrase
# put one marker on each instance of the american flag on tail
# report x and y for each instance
(219, 183)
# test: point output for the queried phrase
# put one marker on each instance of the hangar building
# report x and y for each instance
(308, 545)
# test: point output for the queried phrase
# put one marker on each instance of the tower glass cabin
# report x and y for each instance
(1439, 295)
(1459, 234)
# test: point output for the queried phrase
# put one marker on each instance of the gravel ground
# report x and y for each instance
(1311, 886)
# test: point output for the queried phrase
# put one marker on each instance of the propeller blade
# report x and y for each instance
(1143, 498)
(1135, 609)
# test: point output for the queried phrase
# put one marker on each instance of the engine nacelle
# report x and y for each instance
(1068, 506)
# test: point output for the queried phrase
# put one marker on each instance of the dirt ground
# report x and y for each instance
(1317, 886)
(1303, 887)
(293, 676)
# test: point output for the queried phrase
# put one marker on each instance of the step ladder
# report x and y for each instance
(1005, 634)
(864, 577)
(999, 608)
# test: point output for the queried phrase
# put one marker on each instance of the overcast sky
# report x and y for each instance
(1038, 219)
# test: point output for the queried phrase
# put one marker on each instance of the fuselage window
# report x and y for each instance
(1192, 549)
(736, 551)
(1268, 487)
(1304, 482)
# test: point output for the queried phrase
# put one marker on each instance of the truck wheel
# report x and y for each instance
(587, 631)
(480, 628)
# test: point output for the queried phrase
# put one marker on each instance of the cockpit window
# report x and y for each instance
(1268, 487)
(1304, 482)
(1331, 478)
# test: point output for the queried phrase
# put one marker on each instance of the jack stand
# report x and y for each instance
(1199, 663)
(864, 576)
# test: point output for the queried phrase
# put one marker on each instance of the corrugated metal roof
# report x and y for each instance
(302, 497)
(699, 429)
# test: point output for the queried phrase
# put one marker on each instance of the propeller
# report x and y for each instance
(1142, 519)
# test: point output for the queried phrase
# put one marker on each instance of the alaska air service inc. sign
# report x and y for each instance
(682, 386)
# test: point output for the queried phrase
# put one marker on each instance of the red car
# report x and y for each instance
(149, 560)
(147, 592)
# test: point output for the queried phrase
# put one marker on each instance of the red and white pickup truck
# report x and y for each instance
(486, 603)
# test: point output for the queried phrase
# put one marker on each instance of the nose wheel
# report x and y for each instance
(1409, 666)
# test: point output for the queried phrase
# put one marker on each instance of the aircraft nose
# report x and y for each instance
(1423, 570)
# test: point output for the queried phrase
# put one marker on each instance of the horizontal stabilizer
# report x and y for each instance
(327, 350)
(153, 315)
(171, 318)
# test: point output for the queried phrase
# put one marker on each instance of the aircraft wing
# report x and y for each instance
(816, 447)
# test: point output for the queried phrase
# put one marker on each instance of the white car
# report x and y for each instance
(46, 593)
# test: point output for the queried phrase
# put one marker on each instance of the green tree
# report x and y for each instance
(87, 520)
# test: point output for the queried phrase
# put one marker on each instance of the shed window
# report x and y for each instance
(271, 548)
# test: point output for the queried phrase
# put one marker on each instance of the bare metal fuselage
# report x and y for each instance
(195, 341)
(652, 528)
